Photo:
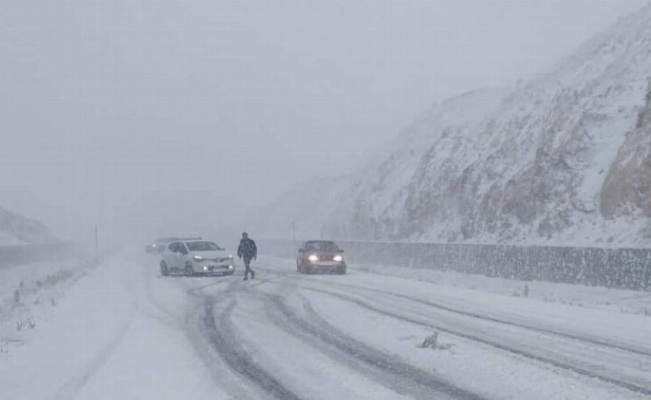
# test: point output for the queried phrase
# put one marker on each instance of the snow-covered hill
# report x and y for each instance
(352, 205)
(563, 158)
(535, 170)
(16, 229)
(376, 196)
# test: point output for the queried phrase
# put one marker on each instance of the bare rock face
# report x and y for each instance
(372, 206)
(627, 187)
(535, 169)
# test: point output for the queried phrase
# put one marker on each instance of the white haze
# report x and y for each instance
(168, 117)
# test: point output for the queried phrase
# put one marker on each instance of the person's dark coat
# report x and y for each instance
(247, 249)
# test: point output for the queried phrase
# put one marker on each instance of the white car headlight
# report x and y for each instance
(338, 258)
(198, 258)
(313, 258)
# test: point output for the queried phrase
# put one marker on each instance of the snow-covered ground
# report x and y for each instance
(29, 293)
(617, 300)
(120, 330)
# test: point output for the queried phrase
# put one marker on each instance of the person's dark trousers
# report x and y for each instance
(247, 268)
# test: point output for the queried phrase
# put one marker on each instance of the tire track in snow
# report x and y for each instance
(386, 369)
(565, 335)
(223, 339)
(191, 325)
(457, 332)
(74, 385)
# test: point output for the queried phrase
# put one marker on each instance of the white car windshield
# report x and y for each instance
(202, 246)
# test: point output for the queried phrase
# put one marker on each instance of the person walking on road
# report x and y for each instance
(247, 251)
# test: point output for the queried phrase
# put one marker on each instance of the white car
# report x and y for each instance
(196, 257)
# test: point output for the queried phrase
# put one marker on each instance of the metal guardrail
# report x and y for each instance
(626, 268)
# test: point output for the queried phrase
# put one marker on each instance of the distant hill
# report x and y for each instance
(302, 211)
(16, 229)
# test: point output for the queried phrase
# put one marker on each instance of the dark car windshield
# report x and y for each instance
(321, 246)
(202, 246)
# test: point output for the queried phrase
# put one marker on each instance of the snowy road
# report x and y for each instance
(123, 331)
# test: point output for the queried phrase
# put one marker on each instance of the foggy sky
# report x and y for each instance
(106, 102)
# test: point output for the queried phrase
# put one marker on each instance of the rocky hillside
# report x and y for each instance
(563, 158)
(16, 229)
(627, 188)
(355, 205)
(536, 170)
(375, 197)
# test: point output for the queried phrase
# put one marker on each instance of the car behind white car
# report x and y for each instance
(196, 257)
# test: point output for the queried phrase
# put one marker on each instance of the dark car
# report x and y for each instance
(320, 256)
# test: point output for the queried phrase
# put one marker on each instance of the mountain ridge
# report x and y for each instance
(563, 158)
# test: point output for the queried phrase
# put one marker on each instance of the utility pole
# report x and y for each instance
(291, 252)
